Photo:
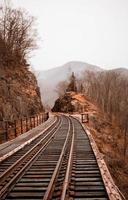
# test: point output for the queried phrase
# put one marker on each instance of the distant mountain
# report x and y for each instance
(66, 70)
(49, 79)
(122, 71)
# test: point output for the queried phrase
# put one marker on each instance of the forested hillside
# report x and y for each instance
(109, 90)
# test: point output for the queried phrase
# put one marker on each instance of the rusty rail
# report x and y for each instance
(56, 171)
(15, 171)
(68, 171)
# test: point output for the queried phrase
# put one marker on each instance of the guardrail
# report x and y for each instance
(11, 129)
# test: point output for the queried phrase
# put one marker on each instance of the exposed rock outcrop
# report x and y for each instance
(73, 102)
(64, 104)
(19, 93)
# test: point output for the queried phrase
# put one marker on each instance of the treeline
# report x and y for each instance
(109, 90)
(17, 36)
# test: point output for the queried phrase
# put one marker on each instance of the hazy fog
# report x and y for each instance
(93, 31)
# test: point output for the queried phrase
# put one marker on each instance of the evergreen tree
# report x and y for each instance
(72, 85)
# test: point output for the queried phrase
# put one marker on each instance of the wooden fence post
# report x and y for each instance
(37, 120)
(6, 130)
(21, 122)
(15, 128)
(26, 124)
(34, 121)
(31, 122)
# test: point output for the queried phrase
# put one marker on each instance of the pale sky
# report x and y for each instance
(92, 31)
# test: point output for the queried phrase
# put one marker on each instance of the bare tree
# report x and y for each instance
(17, 36)
(110, 91)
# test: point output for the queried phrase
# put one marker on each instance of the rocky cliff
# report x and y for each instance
(72, 102)
(19, 93)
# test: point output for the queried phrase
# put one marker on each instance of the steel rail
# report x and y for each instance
(68, 171)
(3, 176)
(24, 149)
(17, 149)
(86, 181)
(7, 188)
(49, 190)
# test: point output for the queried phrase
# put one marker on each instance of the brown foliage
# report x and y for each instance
(110, 91)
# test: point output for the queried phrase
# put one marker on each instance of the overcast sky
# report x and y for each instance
(93, 31)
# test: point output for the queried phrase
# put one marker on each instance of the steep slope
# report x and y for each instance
(19, 93)
(49, 79)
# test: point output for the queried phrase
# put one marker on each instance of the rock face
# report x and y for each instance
(72, 102)
(19, 94)
(64, 104)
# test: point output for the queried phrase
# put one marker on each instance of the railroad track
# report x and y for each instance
(77, 176)
(8, 161)
(10, 165)
(62, 167)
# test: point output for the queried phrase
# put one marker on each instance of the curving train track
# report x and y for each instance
(60, 164)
